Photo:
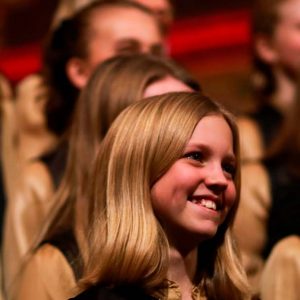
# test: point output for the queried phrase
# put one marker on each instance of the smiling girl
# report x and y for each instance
(163, 194)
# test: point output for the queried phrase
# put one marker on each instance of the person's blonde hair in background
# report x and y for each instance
(115, 84)
(130, 241)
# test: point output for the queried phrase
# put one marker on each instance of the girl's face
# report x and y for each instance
(195, 195)
(286, 38)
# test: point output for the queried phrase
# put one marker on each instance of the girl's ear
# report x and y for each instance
(78, 72)
(265, 49)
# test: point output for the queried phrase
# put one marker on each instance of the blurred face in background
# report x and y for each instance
(119, 30)
(282, 49)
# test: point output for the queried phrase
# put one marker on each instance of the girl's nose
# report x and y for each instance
(216, 179)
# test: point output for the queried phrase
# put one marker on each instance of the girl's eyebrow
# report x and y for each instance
(198, 146)
(195, 144)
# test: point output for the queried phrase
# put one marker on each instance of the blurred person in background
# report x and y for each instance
(7, 127)
(54, 263)
(276, 46)
(100, 30)
(280, 276)
(162, 9)
(267, 224)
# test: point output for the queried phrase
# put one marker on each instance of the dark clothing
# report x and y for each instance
(2, 203)
(284, 217)
(102, 293)
(67, 245)
(269, 121)
(56, 162)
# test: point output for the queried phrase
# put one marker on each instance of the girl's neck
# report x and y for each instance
(182, 270)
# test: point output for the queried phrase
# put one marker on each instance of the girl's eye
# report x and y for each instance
(198, 156)
(230, 169)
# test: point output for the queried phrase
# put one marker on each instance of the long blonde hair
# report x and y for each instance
(126, 242)
(115, 84)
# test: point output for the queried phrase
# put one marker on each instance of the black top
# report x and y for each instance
(67, 244)
(284, 217)
(103, 293)
(269, 121)
(56, 162)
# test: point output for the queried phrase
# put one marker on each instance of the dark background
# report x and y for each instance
(210, 38)
(23, 21)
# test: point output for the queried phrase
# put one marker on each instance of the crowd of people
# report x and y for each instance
(121, 179)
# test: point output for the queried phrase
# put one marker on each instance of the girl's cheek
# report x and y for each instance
(231, 196)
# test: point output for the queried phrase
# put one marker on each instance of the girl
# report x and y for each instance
(162, 197)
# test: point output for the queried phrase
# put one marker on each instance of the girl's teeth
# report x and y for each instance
(206, 203)
(209, 204)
